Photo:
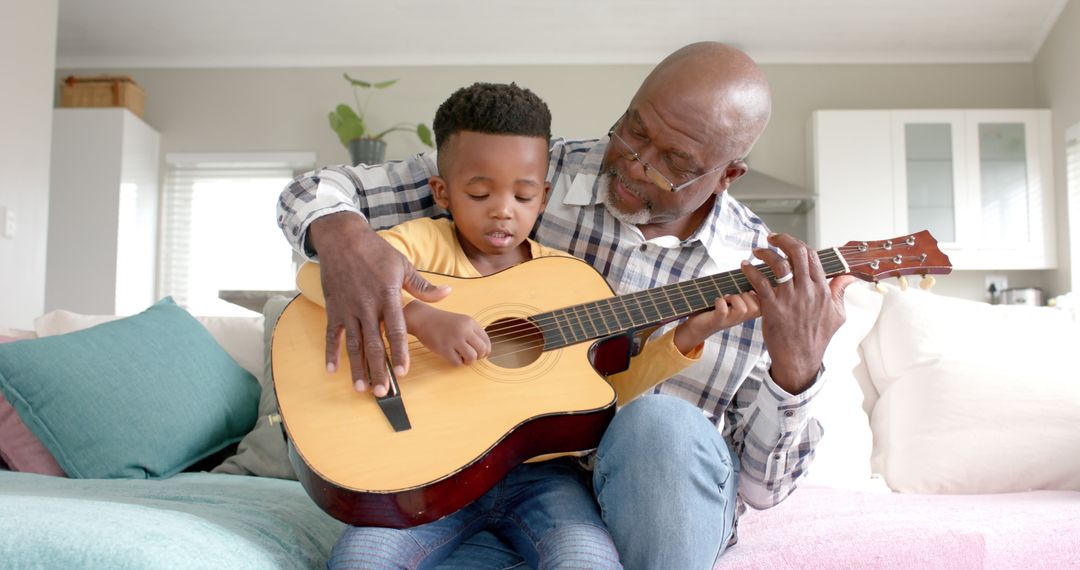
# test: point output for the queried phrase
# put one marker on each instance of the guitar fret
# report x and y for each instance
(581, 317)
(734, 283)
(605, 312)
(627, 311)
(702, 301)
(566, 332)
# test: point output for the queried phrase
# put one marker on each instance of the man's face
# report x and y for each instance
(495, 187)
(678, 138)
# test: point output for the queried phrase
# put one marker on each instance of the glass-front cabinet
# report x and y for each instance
(979, 180)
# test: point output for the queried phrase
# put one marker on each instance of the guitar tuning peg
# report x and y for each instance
(903, 282)
(927, 282)
(881, 288)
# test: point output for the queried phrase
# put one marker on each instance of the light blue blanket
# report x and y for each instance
(192, 520)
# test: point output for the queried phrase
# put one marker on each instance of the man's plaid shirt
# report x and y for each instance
(768, 428)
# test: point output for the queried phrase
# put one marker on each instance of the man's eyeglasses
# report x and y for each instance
(655, 175)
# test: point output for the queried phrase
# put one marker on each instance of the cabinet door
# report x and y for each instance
(1011, 212)
(852, 177)
(929, 174)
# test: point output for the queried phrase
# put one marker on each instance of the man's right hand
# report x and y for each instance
(362, 279)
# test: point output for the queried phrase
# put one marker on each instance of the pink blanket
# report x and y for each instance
(829, 528)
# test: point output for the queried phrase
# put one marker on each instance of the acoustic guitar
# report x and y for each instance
(445, 434)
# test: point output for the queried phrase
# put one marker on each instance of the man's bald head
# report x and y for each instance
(723, 85)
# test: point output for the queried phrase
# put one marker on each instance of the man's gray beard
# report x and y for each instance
(607, 195)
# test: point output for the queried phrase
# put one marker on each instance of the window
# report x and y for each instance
(219, 229)
(1072, 165)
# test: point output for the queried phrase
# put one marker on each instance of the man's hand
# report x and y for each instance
(456, 337)
(362, 278)
(730, 310)
(800, 315)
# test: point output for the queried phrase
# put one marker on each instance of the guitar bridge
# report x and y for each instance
(392, 406)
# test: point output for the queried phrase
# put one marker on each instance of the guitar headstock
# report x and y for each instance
(913, 254)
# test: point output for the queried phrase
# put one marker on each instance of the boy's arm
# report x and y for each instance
(666, 356)
(456, 337)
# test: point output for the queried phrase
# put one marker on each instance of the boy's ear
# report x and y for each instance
(547, 194)
(439, 192)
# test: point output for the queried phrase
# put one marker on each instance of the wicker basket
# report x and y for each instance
(103, 91)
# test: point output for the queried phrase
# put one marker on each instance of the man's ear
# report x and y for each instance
(547, 194)
(439, 191)
(733, 172)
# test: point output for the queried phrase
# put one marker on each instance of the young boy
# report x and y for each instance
(492, 142)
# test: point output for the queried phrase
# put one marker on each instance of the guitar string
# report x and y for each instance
(532, 332)
(508, 332)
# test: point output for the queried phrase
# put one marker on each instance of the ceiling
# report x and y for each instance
(316, 33)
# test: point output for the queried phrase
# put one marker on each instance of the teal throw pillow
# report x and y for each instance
(140, 397)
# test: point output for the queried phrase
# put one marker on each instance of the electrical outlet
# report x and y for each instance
(994, 285)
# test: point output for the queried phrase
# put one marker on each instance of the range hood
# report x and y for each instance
(765, 194)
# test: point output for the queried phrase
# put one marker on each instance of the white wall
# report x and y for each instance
(1057, 84)
(27, 64)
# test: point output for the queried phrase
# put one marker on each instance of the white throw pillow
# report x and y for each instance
(241, 337)
(974, 398)
(842, 458)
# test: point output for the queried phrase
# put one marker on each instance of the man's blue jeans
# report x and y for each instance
(545, 512)
(666, 483)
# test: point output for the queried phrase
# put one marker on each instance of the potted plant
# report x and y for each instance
(351, 125)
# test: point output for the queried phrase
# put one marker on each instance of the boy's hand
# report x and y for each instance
(730, 310)
(456, 337)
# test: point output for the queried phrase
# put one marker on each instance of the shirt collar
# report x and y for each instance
(725, 224)
(584, 186)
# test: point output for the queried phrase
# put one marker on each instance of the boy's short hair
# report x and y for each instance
(492, 108)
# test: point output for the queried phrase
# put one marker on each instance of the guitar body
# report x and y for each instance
(470, 425)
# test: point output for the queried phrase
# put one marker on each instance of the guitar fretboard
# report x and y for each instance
(608, 317)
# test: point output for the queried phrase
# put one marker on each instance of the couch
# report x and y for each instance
(952, 440)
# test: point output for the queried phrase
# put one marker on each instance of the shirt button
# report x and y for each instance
(776, 457)
(789, 413)
(643, 246)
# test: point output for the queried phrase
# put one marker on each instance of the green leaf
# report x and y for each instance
(346, 112)
(346, 124)
(424, 133)
(385, 84)
(356, 82)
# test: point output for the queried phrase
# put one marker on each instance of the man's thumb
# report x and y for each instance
(423, 289)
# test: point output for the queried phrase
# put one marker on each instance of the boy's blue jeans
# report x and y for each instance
(666, 482)
(543, 512)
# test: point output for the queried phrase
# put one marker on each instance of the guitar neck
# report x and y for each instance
(608, 317)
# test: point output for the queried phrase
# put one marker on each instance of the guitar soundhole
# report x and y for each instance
(515, 343)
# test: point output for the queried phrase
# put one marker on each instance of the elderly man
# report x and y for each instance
(646, 206)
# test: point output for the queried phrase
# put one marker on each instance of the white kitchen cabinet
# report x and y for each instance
(979, 180)
(103, 202)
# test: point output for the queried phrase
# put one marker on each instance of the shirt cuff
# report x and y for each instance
(790, 410)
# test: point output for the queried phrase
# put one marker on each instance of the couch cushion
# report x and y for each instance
(842, 457)
(192, 520)
(264, 452)
(829, 528)
(19, 449)
(975, 398)
(143, 396)
(241, 337)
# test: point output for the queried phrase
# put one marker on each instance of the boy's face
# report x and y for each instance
(494, 186)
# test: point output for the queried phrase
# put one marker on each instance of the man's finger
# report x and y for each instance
(394, 322)
(333, 345)
(375, 356)
(422, 288)
(357, 366)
